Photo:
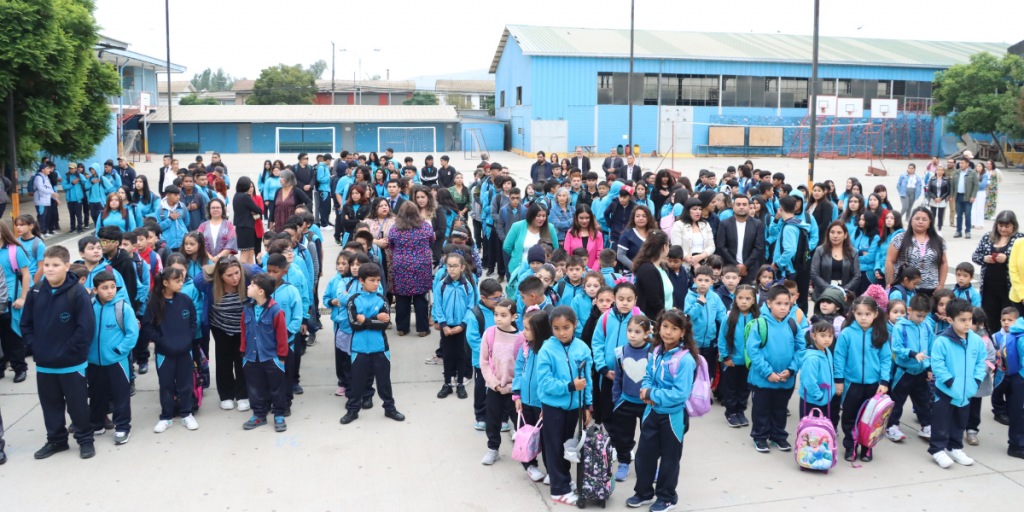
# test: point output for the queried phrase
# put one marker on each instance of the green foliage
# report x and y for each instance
(458, 101)
(192, 99)
(317, 69)
(213, 81)
(421, 98)
(60, 88)
(982, 95)
(283, 85)
(488, 103)
(375, 77)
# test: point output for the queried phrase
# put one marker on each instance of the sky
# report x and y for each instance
(417, 38)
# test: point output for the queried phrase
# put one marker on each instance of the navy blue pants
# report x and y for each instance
(500, 408)
(453, 350)
(75, 211)
(175, 374)
(768, 413)
(95, 209)
(974, 414)
(1015, 409)
(733, 388)
(626, 416)
(11, 343)
(266, 381)
(403, 310)
(531, 415)
(854, 396)
(59, 392)
(2, 442)
(948, 424)
(604, 406)
(43, 218)
(343, 370)
(1000, 396)
(658, 440)
(916, 387)
(323, 208)
(109, 384)
(365, 367)
(830, 411)
(54, 212)
(479, 396)
(559, 426)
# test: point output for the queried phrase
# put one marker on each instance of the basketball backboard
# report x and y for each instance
(883, 108)
(826, 106)
(850, 107)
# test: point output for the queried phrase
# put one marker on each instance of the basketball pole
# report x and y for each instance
(170, 118)
(814, 104)
(629, 83)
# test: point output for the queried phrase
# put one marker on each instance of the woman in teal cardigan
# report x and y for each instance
(535, 228)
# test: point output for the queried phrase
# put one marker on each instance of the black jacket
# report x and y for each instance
(350, 217)
(176, 331)
(616, 217)
(634, 173)
(243, 206)
(823, 216)
(681, 284)
(726, 243)
(650, 290)
(60, 333)
(428, 175)
(304, 175)
(821, 270)
(584, 166)
(610, 164)
(122, 264)
(446, 176)
(399, 201)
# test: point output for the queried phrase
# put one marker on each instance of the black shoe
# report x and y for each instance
(107, 424)
(279, 424)
(20, 377)
(50, 449)
(3, 457)
(849, 455)
(1011, 451)
(445, 391)
(131, 389)
(254, 422)
(349, 417)
(297, 389)
(367, 403)
(744, 422)
(865, 455)
(957, 234)
(761, 446)
(86, 451)
(967, 235)
(782, 445)
(1002, 419)
(490, 273)
(143, 368)
(460, 391)
(733, 420)
(394, 414)
(287, 412)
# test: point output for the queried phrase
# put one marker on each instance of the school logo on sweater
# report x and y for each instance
(64, 317)
(184, 314)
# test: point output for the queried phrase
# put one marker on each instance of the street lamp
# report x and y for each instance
(361, 74)
(333, 53)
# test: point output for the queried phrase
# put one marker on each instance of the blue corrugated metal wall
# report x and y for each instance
(520, 119)
(513, 71)
(220, 137)
(613, 123)
(581, 126)
(366, 135)
(494, 135)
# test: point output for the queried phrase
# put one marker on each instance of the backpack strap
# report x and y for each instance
(560, 288)
(792, 326)
(119, 316)
(479, 314)
(762, 331)
(12, 255)
(489, 338)
(604, 322)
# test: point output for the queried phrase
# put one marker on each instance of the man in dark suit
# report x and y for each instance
(541, 169)
(581, 162)
(631, 171)
(612, 163)
(740, 240)
(394, 197)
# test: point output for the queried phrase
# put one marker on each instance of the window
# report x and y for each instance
(502, 99)
(794, 92)
(771, 92)
(650, 89)
(845, 89)
(615, 89)
(519, 96)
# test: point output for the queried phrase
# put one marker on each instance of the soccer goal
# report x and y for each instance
(407, 140)
(474, 144)
(289, 139)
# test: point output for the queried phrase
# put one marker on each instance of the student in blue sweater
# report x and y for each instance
(958, 363)
(572, 285)
(289, 298)
(1012, 342)
(911, 342)
(774, 361)
(335, 294)
(666, 388)
(170, 322)
(490, 294)
(678, 275)
(865, 242)
(938, 321)
(564, 366)
(963, 288)
(452, 298)
(172, 217)
(863, 363)
(733, 385)
(525, 385)
(609, 335)
(369, 316)
(583, 303)
(117, 331)
(706, 313)
(907, 280)
(817, 372)
(264, 350)
(629, 372)
(58, 323)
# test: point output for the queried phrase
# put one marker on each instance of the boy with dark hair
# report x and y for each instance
(117, 331)
(677, 275)
(958, 364)
(963, 288)
(1000, 394)
(773, 363)
(572, 284)
(58, 323)
(121, 262)
(369, 316)
(911, 342)
(173, 217)
(290, 299)
(531, 291)
(264, 348)
(129, 244)
(726, 286)
(606, 260)
(706, 312)
(478, 319)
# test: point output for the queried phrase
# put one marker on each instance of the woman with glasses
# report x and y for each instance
(409, 243)
(218, 232)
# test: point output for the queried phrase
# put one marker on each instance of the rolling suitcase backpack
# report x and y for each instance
(816, 441)
(595, 467)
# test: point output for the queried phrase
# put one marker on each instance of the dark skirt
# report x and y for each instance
(246, 238)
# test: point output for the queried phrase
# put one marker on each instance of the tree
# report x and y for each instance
(213, 81)
(488, 103)
(317, 69)
(981, 96)
(60, 88)
(421, 98)
(375, 77)
(192, 99)
(283, 85)
(458, 101)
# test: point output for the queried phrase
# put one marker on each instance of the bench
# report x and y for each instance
(186, 147)
(306, 146)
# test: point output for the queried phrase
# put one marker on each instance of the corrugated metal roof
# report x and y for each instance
(661, 44)
(308, 114)
(243, 85)
(464, 86)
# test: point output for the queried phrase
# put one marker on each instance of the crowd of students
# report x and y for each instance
(598, 303)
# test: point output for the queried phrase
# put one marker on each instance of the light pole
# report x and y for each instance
(814, 103)
(333, 53)
(361, 74)
(629, 83)
(170, 118)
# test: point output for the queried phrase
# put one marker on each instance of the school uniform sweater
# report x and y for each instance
(630, 370)
(968, 293)
(857, 359)
(609, 334)
(526, 384)
(557, 366)
(60, 332)
(368, 336)
(907, 341)
(817, 377)
(111, 345)
(264, 332)
(670, 392)
(176, 330)
(474, 331)
(738, 342)
(958, 365)
(780, 352)
(706, 316)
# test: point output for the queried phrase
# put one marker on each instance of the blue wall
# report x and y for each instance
(613, 123)
(223, 137)
(494, 135)
(513, 71)
(366, 135)
(520, 118)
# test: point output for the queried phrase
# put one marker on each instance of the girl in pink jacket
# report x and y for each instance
(498, 348)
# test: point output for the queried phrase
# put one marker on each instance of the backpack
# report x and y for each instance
(699, 402)
(871, 421)
(800, 257)
(139, 265)
(32, 182)
(762, 331)
(526, 446)
(816, 442)
(604, 318)
(597, 462)
(480, 320)
(334, 196)
(1010, 354)
(118, 314)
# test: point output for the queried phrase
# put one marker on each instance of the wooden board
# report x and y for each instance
(726, 136)
(765, 137)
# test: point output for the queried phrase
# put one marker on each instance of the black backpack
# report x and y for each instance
(801, 256)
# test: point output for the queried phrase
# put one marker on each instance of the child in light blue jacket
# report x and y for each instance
(863, 362)
(732, 358)
(911, 342)
(817, 372)
(609, 335)
(490, 294)
(117, 331)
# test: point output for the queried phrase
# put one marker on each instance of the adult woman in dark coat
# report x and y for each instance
(246, 212)
(821, 208)
(835, 260)
(653, 288)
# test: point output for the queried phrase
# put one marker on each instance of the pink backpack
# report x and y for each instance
(699, 402)
(871, 422)
(816, 442)
(666, 223)
(526, 447)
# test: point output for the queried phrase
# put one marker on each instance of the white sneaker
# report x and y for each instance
(960, 457)
(925, 432)
(190, 422)
(894, 434)
(565, 499)
(243, 404)
(162, 426)
(490, 457)
(535, 473)
(942, 459)
(547, 479)
(227, 405)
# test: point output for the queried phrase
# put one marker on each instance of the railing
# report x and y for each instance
(128, 97)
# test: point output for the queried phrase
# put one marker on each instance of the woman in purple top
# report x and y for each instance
(409, 250)
(218, 232)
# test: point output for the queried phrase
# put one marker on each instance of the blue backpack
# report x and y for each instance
(1011, 355)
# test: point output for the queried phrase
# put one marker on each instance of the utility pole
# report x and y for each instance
(629, 83)
(814, 103)
(170, 117)
(13, 151)
(332, 72)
